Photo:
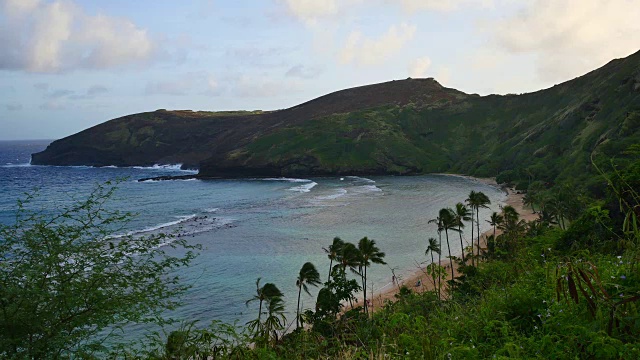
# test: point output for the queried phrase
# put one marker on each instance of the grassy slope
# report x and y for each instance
(551, 132)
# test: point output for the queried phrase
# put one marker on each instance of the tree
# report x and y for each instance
(462, 214)
(308, 275)
(448, 220)
(494, 221)
(265, 293)
(275, 320)
(438, 222)
(369, 253)
(332, 252)
(477, 200)
(433, 247)
(64, 278)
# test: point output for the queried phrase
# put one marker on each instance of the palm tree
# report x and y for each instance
(332, 252)
(471, 201)
(438, 222)
(529, 200)
(369, 253)
(266, 292)
(462, 215)
(275, 317)
(448, 220)
(433, 248)
(348, 256)
(308, 276)
(477, 200)
(494, 221)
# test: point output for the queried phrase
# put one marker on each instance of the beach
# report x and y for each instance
(418, 280)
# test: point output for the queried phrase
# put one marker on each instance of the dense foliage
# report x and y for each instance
(67, 284)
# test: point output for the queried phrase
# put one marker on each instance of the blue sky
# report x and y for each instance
(66, 65)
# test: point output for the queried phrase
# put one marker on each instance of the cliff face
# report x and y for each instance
(400, 127)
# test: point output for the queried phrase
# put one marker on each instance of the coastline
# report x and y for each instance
(387, 292)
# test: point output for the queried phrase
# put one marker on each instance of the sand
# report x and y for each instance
(419, 276)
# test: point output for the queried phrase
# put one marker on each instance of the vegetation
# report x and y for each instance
(536, 291)
(67, 284)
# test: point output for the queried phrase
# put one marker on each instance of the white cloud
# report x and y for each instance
(443, 75)
(571, 37)
(368, 51)
(438, 5)
(418, 67)
(309, 11)
(303, 72)
(55, 36)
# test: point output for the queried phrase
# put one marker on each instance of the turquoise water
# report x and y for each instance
(253, 228)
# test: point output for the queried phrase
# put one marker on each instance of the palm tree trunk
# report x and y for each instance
(298, 308)
(330, 267)
(472, 238)
(461, 244)
(478, 229)
(259, 311)
(439, 261)
(450, 259)
(366, 306)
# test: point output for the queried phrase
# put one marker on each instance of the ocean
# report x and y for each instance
(252, 228)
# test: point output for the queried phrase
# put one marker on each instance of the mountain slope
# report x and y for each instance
(399, 127)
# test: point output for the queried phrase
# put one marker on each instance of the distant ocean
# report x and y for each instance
(253, 228)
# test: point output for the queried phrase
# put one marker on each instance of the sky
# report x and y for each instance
(67, 65)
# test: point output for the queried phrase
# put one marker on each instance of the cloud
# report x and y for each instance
(418, 67)
(13, 107)
(41, 86)
(366, 51)
(60, 93)
(309, 11)
(570, 37)
(39, 36)
(188, 84)
(96, 90)
(412, 6)
(52, 105)
(303, 72)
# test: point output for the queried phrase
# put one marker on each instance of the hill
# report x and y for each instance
(402, 127)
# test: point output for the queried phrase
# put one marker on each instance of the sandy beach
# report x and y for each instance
(419, 276)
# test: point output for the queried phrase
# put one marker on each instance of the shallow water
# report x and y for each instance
(255, 227)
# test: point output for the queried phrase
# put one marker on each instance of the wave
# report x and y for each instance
(11, 165)
(286, 179)
(304, 188)
(366, 189)
(363, 179)
(339, 193)
(211, 210)
(181, 219)
(177, 167)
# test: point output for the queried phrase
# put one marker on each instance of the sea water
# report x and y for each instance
(251, 228)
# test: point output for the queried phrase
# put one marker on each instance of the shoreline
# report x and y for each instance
(418, 274)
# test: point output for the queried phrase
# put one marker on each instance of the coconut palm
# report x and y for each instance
(448, 221)
(477, 200)
(529, 200)
(433, 248)
(369, 253)
(471, 201)
(264, 293)
(308, 275)
(462, 214)
(438, 222)
(494, 221)
(348, 257)
(332, 252)
(276, 319)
